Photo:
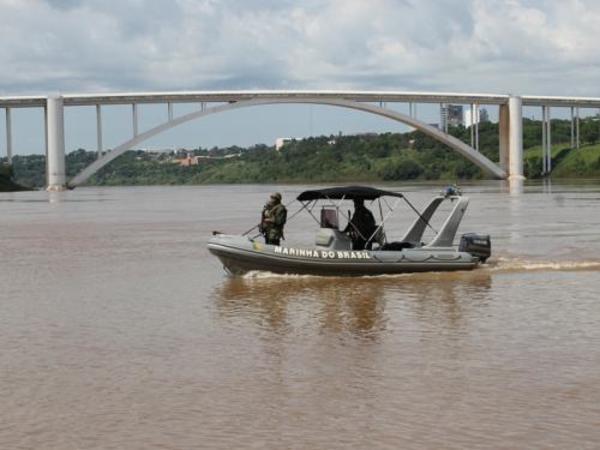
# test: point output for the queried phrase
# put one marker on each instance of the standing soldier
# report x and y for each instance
(273, 219)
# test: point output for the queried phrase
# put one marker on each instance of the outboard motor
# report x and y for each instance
(477, 245)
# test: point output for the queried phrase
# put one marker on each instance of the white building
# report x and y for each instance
(480, 115)
(280, 142)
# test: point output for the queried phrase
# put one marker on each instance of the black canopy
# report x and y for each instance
(347, 192)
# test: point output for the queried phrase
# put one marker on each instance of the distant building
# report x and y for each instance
(280, 142)
(455, 115)
(450, 115)
(483, 115)
(188, 161)
(480, 116)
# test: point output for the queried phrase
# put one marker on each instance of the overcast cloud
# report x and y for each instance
(543, 47)
(521, 46)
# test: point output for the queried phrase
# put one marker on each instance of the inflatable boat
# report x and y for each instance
(334, 253)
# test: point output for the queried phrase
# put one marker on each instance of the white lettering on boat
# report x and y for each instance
(323, 254)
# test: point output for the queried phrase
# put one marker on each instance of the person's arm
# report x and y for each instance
(350, 224)
(373, 221)
(263, 220)
(267, 215)
(280, 216)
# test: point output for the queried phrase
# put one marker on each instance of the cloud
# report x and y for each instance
(522, 46)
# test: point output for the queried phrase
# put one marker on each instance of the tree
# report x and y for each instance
(589, 131)
(404, 169)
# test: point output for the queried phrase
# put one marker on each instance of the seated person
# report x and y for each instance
(361, 226)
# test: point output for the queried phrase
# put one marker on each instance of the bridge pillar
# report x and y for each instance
(511, 137)
(503, 119)
(515, 138)
(8, 136)
(55, 132)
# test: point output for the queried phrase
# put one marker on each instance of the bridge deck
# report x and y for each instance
(234, 96)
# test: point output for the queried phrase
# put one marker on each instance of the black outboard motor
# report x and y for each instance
(477, 245)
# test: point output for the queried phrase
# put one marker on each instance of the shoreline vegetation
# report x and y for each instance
(7, 184)
(353, 158)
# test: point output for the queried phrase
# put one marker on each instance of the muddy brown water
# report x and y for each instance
(119, 330)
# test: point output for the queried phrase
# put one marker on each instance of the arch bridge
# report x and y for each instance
(213, 102)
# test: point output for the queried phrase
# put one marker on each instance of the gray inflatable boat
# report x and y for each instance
(333, 252)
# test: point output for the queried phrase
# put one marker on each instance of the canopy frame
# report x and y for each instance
(309, 199)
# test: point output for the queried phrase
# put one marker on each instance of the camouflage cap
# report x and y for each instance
(276, 195)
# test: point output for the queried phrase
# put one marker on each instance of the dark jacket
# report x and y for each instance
(360, 228)
(363, 221)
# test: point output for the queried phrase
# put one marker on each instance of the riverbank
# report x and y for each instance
(583, 162)
(376, 159)
(387, 157)
(6, 181)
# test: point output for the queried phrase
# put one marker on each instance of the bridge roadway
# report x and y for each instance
(233, 96)
(510, 119)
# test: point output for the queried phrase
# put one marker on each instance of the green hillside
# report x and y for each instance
(369, 157)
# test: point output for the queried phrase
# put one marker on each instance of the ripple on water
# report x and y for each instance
(119, 330)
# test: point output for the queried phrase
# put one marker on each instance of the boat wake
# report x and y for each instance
(508, 264)
(496, 265)
(259, 274)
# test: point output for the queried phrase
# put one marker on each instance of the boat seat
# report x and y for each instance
(396, 246)
(329, 218)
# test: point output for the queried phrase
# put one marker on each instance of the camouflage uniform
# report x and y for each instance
(273, 219)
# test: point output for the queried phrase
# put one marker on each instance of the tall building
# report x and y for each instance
(444, 117)
(455, 115)
(481, 115)
(450, 115)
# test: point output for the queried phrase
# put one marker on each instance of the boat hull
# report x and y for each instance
(240, 255)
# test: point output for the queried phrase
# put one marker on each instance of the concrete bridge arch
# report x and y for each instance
(455, 144)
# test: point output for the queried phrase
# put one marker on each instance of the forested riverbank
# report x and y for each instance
(368, 157)
(7, 183)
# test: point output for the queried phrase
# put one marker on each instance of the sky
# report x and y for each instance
(529, 47)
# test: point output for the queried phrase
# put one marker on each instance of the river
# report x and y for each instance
(118, 330)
